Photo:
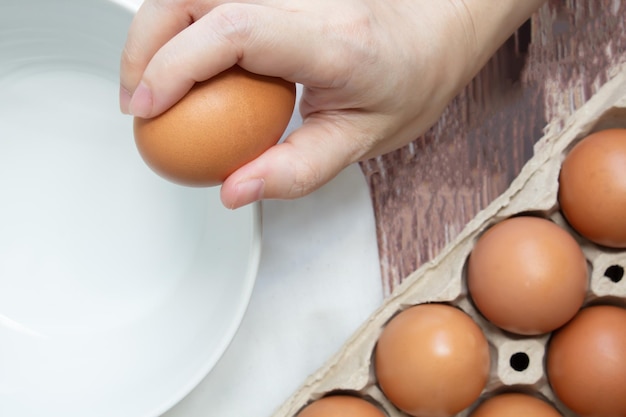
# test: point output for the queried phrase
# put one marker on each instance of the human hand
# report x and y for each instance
(375, 74)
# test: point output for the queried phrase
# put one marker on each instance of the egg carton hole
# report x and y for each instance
(519, 361)
(615, 273)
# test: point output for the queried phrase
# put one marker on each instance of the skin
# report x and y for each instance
(375, 74)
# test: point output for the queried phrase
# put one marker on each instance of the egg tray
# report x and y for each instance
(517, 362)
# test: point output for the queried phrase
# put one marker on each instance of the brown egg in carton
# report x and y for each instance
(517, 362)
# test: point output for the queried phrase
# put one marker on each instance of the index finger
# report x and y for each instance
(156, 23)
(153, 25)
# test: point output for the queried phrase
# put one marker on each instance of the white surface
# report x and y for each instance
(118, 290)
(318, 281)
(319, 273)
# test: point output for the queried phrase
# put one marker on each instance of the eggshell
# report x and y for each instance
(432, 360)
(515, 405)
(220, 125)
(527, 275)
(341, 406)
(592, 191)
(586, 362)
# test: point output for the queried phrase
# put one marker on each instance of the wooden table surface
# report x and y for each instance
(425, 193)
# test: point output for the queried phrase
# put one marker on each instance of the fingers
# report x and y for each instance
(250, 35)
(154, 24)
(309, 158)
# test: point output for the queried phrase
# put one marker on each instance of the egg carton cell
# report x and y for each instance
(517, 361)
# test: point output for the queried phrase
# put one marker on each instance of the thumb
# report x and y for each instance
(309, 157)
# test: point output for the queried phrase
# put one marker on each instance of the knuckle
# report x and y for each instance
(355, 41)
(231, 21)
(308, 178)
(171, 5)
(130, 54)
(130, 59)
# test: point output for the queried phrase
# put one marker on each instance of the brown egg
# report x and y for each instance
(527, 275)
(586, 362)
(432, 360)
(592, 187)
(219, 126)
(515, 405)
(341, 406)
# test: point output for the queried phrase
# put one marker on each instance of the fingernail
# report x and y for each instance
(248, 192)
(124, 100)
(140, 104)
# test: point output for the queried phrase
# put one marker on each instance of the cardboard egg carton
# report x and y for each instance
(517, 361)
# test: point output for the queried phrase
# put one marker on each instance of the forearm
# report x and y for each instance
(442, 45)
(464, 35)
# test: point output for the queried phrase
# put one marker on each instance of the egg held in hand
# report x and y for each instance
(219, 126)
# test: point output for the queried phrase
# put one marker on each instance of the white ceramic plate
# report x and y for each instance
(118, 290)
